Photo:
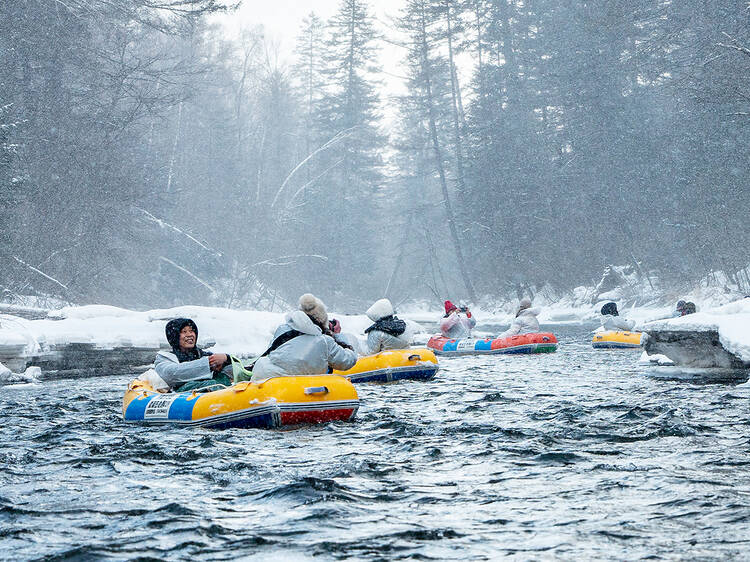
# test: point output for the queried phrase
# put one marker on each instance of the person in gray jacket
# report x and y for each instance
(388, 331)
(525, 321)
(187, 367)
(304, 345)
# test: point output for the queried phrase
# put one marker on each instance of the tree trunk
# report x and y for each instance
(402, 251)
(455, 100)
(439, 164)
(174, 148)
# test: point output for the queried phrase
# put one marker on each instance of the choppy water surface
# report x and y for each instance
(577, 454)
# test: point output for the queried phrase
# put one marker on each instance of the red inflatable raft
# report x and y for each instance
(543, 342)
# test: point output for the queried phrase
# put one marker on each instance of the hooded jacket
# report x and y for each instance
(617, 323)
(388, 331)
(456, 325)
(176, 367)
(525, 322)
(311, 353)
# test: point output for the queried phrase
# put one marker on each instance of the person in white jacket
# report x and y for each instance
(388, 331)
(612, 321)
(304, 345)
(525, 321)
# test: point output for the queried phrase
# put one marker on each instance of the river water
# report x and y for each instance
(574, 455)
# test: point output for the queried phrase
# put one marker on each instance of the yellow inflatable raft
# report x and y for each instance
(616, 340)
(272, 403)
(394, 365)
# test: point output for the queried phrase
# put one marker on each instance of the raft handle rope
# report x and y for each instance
(414, 357)
(316, 390)
(211, 388)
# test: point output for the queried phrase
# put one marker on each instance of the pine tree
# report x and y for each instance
(347, 121)
(430, 87)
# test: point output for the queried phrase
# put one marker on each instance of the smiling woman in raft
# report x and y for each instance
(187, 367)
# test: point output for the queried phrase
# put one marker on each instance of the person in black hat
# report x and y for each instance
(186, 366)
(611, 319)
(680, 308)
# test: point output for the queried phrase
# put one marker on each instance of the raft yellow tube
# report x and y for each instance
(275, 402)
(393, 365)
(616, 340)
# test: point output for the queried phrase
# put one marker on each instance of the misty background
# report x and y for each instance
(150, 155)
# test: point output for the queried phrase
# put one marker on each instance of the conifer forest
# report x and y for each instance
(149, 157)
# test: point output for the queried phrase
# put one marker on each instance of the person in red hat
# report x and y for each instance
(457, 322)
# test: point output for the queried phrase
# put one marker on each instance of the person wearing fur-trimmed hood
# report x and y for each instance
(525, 321)
(186, 366)
(308, 346)
(388, 331)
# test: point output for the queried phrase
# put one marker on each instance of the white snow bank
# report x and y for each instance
(236, 331)
(731, 321)
(10, 338)
(240, 332)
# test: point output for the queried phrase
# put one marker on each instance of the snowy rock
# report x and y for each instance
(655, 359)
(27, 312)
(719, 337)
(13, 347)
(31, 375)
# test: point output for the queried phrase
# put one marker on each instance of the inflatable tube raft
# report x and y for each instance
(616, 340)
(543, 342)
(275, 402)
(394, 365)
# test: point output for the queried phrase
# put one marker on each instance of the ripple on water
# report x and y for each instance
(575, 455)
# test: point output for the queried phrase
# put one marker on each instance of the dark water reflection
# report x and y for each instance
(577, 454)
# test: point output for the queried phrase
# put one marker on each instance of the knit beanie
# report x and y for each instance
(449, 306)
(314, 308)
(380, 309)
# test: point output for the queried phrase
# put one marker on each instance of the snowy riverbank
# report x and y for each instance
(104, 337)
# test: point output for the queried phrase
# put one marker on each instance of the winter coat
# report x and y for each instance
(456, 326)
(311, 353)
(525, 323)
(380, 340)
(175, 374)
(388, 331)
(617, 323)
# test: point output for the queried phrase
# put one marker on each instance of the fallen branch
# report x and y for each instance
(35, 270)
(316, 178)
(272, 261)
(735, 45)
(165, 224)
(335, 139)
(191, 274)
